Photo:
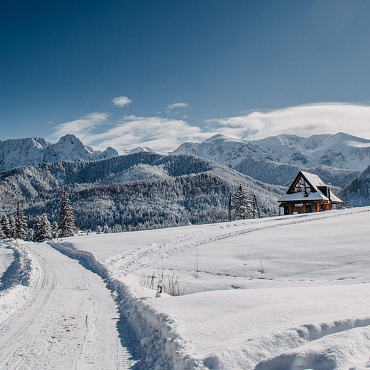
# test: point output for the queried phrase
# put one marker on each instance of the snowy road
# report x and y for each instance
(69, 322)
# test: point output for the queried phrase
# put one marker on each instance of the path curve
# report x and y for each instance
(69, 323)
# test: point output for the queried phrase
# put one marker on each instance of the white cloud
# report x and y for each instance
(166, 134)
(121, 101)
(306, 120)
(155, 132)
(82, 128)
(176, 108)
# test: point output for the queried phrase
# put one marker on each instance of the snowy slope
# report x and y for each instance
(279, 293)
(36, 151)
(339, 151)
(223, 150)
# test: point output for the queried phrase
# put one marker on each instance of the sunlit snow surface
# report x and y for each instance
(276, 293)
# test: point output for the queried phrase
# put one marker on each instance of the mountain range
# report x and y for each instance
(35, 151)
(144, 188)
(341, 151)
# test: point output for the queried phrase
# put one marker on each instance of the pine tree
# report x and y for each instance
(20, 223)
(2, 235)
(46, 227)
(38, 233)
(66, 218)
(42, 229)
(241, 205)
(5, 226)
(30, 233)
(55, 230)
(12, 227)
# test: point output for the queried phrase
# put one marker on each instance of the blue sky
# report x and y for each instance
(157, 73)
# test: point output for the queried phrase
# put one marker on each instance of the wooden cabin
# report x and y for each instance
(307, 193)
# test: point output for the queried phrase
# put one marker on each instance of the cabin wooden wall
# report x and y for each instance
(304, 208)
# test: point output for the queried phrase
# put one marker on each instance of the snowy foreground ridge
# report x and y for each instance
(287, 292)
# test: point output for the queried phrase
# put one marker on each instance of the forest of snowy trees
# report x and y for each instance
(135, 192)
(16, 226)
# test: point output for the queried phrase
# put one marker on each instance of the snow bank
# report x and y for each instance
(18, 281)
(344, 350)
(164, 347)
(6, 258)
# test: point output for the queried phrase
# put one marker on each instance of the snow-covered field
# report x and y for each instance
(287, 292)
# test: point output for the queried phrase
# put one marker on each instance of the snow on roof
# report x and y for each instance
(313, 179)
(315, 182)
(301, 196)
(334, 198)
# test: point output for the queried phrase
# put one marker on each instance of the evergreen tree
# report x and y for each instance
(98, 229)
(55, 230)
(5, 226)
(30, 233)
(42, 229)
(38, 233)
(12, 227)
(66, 218)
(241, 206)
(20, 223)
(46, 227)
(2, 235)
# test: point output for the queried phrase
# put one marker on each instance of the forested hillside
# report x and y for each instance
(357, 192)
(283, 174)
(138, 191)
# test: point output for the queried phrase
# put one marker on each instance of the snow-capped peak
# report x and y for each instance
(145, 149)
(340, 150)
(220, 138)
(36, 151)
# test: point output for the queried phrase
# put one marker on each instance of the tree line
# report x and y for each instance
(16, 226)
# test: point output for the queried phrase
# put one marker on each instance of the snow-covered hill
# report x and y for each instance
(254, 294)
(340, 150)
(142, 190)
(36, 151)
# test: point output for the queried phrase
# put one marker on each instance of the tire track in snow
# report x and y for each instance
(51, 330)
(147, 256)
